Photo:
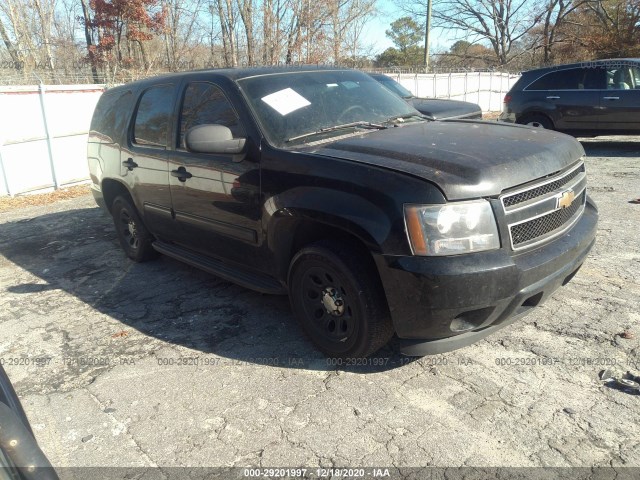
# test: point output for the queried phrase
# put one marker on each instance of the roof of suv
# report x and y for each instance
(239, 73)
(581, 64)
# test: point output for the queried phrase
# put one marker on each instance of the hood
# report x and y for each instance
(465, 159)
(441, 109)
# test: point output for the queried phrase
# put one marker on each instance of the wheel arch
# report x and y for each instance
(288, 235)
(111, 189)
(535, 113)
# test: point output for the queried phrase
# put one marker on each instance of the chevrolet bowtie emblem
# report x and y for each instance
(565, 199)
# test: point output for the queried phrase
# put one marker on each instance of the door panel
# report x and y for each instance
(149, 182)
(620, 102)
(144, 164)
(215, 198)
(572, 97)
(576, 109)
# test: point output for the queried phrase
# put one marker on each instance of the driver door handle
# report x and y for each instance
(181, 174)
(611, 98)
(553, 97)
(130, 164)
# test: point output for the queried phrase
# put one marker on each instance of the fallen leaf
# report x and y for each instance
(627, 335)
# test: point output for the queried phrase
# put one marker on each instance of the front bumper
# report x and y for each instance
(439, 304)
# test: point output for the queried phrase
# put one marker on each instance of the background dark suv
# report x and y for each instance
(589, 98)
(436, 108)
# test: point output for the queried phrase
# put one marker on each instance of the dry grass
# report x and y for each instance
(490, 115)
(21, 201)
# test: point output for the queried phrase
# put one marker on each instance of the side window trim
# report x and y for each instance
(176, 144)
(527, 89)
(131, 130)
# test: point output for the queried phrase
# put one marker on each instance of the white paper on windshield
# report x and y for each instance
(286, 101)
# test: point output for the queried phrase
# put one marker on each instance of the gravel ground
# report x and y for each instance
(159, 364)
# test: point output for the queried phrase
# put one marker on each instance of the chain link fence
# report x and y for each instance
(82, 73)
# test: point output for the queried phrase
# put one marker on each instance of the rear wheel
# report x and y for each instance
(336, 295)
(537, 121)
(134, 237)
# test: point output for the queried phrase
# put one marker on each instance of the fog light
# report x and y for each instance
(470, 320)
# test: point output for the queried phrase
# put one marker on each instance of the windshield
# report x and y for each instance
(301, 107)
(395, 87)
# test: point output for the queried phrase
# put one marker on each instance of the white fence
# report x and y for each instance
(487, 89)
(43, 130)
(43, 136)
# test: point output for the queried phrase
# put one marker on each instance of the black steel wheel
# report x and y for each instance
(134, 237)
(335, 293)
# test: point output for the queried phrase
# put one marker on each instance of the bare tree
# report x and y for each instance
(15, 55)
(124, 39)
(227, 16)
(88, 36)
(17, 30)
(553, 16)
(352, 36)
(344, 16)
(499, 23)
(615, 27)
(246, 9)
(45, 16)
(181, 34)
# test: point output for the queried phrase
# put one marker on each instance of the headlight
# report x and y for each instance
(451, 229)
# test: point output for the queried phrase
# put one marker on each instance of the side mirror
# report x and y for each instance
(211, 138)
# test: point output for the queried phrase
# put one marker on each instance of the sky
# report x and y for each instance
(374, 33)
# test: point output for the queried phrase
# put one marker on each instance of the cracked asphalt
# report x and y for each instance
(159, 364)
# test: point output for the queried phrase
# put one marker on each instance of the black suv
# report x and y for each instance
(436, 108)
(322, 184)
(589, 98)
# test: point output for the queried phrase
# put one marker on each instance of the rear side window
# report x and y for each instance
(152, 117)
(111, 114)
(623, 78)
(204, 103)
(571, 79)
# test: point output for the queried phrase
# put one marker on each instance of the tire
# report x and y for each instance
(333, 277)
(135, 239)
(537, 121)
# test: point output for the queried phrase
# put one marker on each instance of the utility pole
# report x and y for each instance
(427, 31)
(308, 20)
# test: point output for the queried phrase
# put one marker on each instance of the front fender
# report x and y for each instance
(319, 210)
(349, 212)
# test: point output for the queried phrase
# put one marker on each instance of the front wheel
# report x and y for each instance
(537, 121)
(337, 297)
(135, 239)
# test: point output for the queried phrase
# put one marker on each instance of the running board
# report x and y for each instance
(243, 277)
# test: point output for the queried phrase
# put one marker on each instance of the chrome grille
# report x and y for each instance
(521, 197)
(526, 231)
(547, 208)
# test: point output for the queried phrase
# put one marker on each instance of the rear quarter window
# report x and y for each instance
(522, 82)
(110, 116)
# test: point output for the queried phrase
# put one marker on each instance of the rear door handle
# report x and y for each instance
(130, 164)
(611, 98)
(181, 174)
(553, 97)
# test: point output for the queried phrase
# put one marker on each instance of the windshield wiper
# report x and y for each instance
(368, 125)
